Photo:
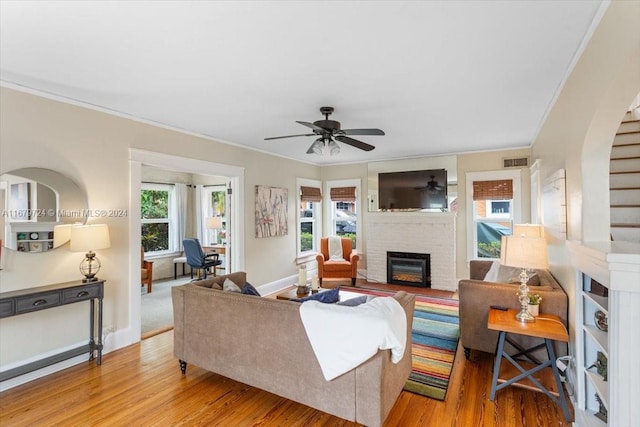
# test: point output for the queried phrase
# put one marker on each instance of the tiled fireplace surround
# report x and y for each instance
(419, 232)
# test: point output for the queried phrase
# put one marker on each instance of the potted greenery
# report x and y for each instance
(534, 304)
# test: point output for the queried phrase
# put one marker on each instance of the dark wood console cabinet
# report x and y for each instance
(44, 297)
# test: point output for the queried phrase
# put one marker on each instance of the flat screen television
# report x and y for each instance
(423, 189)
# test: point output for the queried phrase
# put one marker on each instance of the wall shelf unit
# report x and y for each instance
(616, 266)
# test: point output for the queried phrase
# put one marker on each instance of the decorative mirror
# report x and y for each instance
(38, 204)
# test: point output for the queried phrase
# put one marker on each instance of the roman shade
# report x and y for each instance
(501, 189)
(343, 194)
(310, 194)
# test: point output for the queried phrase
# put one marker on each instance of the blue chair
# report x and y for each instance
(196, 258)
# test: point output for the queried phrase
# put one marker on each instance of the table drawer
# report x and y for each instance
(37, 302)
(6, 308)
(81, 294)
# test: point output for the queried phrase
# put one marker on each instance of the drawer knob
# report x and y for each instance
(39, 302)
(82, 294)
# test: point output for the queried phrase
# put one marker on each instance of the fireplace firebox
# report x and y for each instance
(411, 269)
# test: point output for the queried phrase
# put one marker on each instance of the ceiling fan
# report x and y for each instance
(329, 131)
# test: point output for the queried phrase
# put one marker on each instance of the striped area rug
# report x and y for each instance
(435, 335)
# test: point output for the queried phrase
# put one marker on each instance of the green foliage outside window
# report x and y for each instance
(154, 204)
(489, 249)
(306, 242)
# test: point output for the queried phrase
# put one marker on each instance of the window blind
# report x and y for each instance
(310, 194)
(501, 189)
(343, 194)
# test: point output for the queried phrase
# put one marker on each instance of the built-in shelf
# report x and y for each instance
(616, 266)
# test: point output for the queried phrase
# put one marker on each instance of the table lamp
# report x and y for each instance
(528, 230)
(214, 223)
(88, 238)
(524, 253)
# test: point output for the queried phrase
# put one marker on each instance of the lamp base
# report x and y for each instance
(525, 316)
(89, 279)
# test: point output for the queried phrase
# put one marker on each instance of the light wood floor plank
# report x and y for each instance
(142, 385)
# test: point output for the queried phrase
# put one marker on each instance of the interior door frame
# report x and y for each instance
(183, 164)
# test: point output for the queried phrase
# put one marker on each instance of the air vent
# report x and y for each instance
(516, 162)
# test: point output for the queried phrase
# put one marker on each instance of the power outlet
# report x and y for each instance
(108, 330)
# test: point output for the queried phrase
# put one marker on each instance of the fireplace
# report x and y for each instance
(406, 268)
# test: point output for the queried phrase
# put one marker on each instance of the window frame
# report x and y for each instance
(210, 237)
(330, 207)
(515, 206)
(170, 189)
(316, 220)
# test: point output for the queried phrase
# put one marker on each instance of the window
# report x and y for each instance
(309, 216)
(494, 198)
(156, 202)
(344, 208)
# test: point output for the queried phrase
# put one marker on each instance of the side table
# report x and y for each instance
(550, 329)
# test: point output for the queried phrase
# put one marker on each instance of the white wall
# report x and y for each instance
(579, 130)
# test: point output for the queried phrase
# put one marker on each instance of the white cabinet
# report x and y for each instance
(615, 265)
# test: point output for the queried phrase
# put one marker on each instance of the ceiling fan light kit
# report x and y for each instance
(330, 131)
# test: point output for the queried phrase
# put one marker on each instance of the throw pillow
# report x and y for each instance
(327, 297)
(492, 274)
(229, 286)
(352, 302)
(248, 289)
(503, 274)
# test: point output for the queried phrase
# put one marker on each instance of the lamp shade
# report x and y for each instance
(214, 223)
(528, 230)
(61, 234)
(524, 252)
(86, 238)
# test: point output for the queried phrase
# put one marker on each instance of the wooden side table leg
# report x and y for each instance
(556, 374)
(496, 366)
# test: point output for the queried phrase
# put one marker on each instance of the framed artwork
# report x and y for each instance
(35, 247)
(271, 211)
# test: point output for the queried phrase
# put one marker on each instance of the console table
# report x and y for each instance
(44, 297)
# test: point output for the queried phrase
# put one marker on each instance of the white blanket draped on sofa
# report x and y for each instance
(344, 337)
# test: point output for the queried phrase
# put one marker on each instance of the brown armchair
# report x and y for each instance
(347, 268)
(476, 296)
(146, 271)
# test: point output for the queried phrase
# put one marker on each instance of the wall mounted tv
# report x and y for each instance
(424, 189)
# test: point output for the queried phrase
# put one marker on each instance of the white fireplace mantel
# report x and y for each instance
(418, 232)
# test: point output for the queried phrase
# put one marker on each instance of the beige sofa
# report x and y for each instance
(262, 342)
(477, 296)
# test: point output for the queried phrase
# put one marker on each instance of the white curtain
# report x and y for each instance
(180, 213)
(201, 212)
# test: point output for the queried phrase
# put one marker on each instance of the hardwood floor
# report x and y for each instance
(141, 385)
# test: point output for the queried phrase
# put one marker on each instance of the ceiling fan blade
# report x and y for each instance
(289, 136)
(312, 126)
(355, 143)
(362, 131)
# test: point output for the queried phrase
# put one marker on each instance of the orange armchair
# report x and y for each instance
(347, 268)
(146, 271)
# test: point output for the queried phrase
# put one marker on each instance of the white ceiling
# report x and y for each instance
(437, 76)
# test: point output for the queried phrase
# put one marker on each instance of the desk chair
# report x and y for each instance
(196, 258)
